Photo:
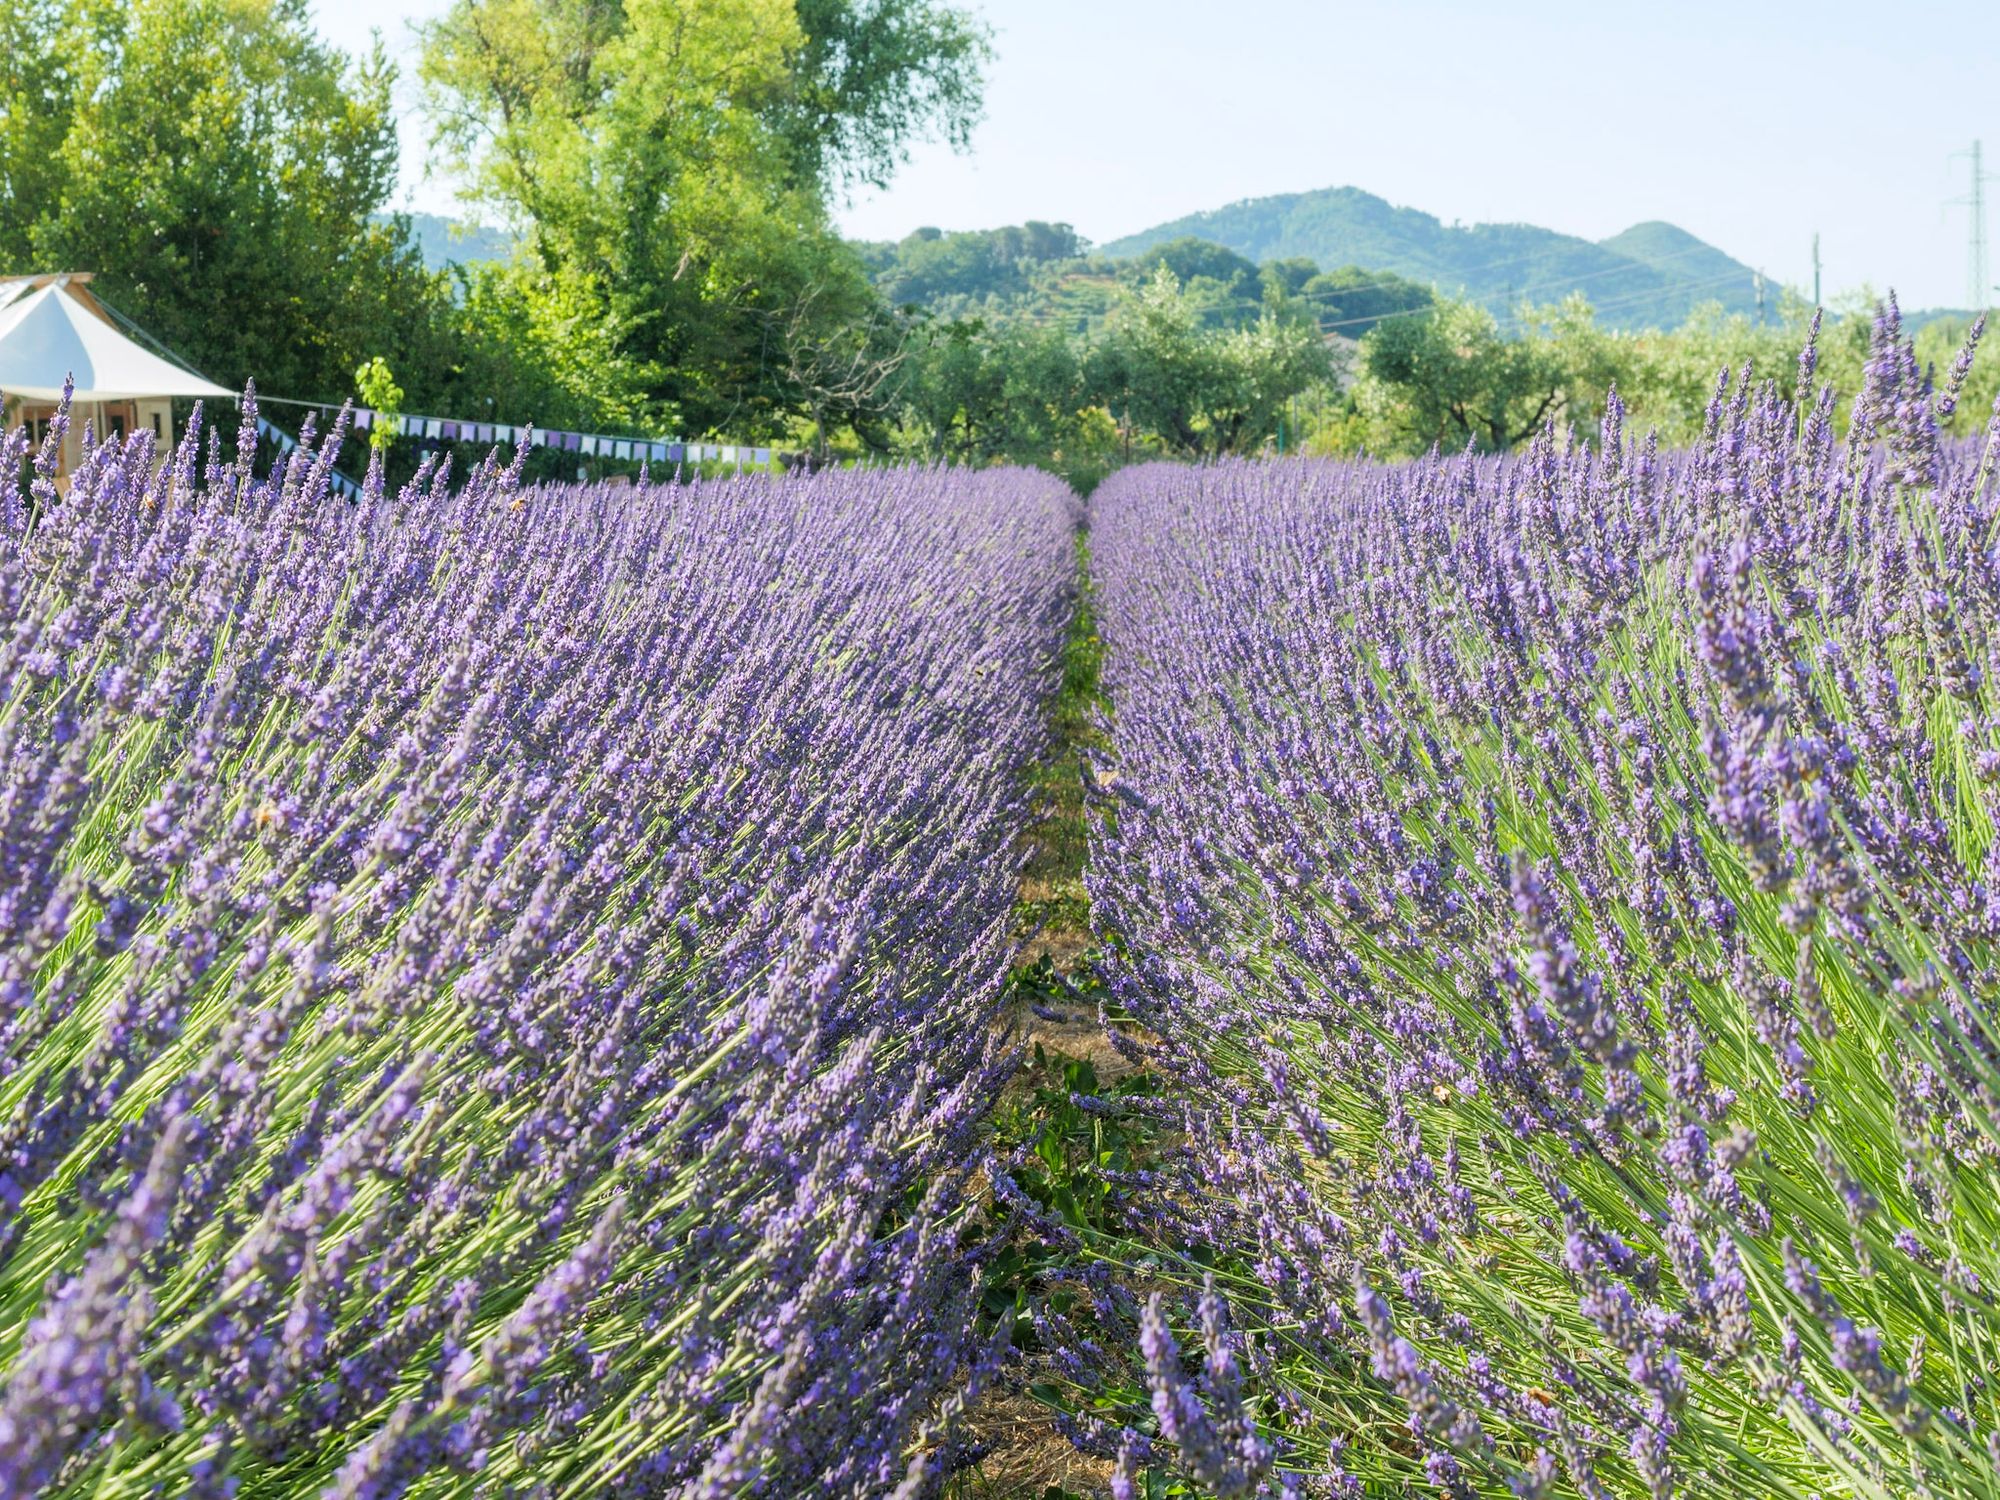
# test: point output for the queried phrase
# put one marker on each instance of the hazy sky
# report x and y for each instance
(1750, 124)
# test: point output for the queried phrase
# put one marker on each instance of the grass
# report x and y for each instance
(1022, 1455)
(1054, 914)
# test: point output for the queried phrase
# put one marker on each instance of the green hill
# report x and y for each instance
(1650, 276)
(442, 241)
(1046, 275)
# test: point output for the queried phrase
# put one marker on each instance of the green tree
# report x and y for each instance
(675, 156)
(870, 76)
(218, 166)
(1203, 390)
(952, 391)
(1350, 301)
(37, 95)
(539, 346)
(1450, 377)
(1287, 277)
(975, 393)
(1189, 259)
(928, 266)
(1225, 288)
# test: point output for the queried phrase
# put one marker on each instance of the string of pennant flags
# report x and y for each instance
(584, 444)
(340, 483)
(500, 432)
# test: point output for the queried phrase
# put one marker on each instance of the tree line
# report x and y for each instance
(668, 167)
(1080, 363)
(668, 173)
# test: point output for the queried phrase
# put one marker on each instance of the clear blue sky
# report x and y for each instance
(1750, 124)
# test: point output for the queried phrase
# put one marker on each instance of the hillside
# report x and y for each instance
(1651, 275)
(1045, 275)
(442, 240)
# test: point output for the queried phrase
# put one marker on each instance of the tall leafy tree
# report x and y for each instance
(870, 76)
(677, 156)
(216, 155)
(37, 91)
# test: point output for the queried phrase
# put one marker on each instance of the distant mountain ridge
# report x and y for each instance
(1650, 276)
(443, 241)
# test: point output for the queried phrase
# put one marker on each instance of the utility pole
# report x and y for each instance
(1760, 298)
(1977, 285)
(1816, 302)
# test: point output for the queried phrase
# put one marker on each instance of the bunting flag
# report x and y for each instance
(583, 444)
(340, 483)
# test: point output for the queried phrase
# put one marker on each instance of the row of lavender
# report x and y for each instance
(1566, 897)
(494, 983)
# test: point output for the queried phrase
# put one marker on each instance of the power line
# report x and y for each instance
(1613, 303)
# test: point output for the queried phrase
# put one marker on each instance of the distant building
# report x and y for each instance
(52, 329)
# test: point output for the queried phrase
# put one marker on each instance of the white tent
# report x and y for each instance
(47, 333)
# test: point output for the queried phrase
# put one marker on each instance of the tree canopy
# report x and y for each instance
(1204, 391)
(671, 161)
(871, 76)
(202, 155)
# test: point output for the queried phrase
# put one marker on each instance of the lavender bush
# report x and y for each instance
(1565, 896)
(495, 982)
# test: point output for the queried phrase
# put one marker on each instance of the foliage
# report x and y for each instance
(1044, 274)
(1203, 391)
(1651, 276)
(444, 242)
(377, 389)
(39, 53)
(501, 983)
(209, 154)
(870, 76)
(1191, 262)
(541, 345)
(1288, 276)
(1450, 377)
(670, 162)
(975, 394)
(929, 266)
(1453, 376)
(1350, 301)
(1028, 392)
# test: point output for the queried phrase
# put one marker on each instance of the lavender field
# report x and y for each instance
(497, 981)
(512, 989)
(1562, 897)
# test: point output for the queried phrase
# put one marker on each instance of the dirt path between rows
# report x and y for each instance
(1025, 1457)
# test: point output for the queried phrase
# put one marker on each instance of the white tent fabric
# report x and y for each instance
(49, 334)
